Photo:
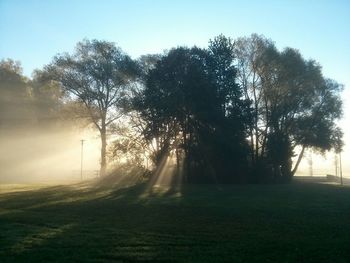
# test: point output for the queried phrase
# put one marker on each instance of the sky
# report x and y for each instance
(34, 31)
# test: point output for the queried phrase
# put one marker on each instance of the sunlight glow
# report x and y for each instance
(169, 175)
(46, 156)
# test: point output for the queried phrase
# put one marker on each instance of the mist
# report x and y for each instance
(317, 164)
(40, 131)
(47, 155)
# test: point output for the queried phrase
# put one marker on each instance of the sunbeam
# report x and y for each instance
(168, 175)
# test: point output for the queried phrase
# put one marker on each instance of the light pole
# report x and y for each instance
(340, 170)
(310, 162)
(336, 164)
(81, 159)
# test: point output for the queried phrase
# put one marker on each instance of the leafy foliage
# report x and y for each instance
(235, 111)
(293, 104)
(97, 74)
(27, 102)
(192, 105)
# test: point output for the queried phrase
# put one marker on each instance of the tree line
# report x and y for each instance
(235, 111)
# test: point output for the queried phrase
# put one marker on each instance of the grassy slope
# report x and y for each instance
(251, 223)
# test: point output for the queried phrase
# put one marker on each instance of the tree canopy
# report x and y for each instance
(235, 111)
(293, 105)
(193, 106)
(25, 101)
(97, 75)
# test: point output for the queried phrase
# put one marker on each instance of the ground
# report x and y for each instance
(104, 222)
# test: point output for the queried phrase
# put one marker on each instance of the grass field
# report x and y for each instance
(300, 222)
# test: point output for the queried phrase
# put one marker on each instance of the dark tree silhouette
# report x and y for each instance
(191, 104)
(24, 101)
(15, 99)
(49, 99)
(293, 104)
(98, 75)
(227, 112)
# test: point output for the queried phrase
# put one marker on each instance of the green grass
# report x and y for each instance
(238, 223)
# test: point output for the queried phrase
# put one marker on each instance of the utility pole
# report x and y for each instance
(336, 164)
(341, 169)
(310, 162)
(81, 159)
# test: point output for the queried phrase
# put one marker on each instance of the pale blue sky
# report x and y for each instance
(34, 31)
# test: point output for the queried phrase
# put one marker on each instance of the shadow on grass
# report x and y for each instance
(82, 223)
(122, 220)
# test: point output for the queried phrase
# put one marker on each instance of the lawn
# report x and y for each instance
(93, 222)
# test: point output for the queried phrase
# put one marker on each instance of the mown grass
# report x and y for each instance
(238, 223)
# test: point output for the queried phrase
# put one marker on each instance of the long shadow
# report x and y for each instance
(103, 227)
(126, 222)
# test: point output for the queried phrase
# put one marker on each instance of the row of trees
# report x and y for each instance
(293, 105)
(24, 101)
(192, 104)
(235, 111)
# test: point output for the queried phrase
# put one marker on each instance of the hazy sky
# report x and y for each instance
(34, 31)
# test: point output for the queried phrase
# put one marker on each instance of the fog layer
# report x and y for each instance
(52, 155)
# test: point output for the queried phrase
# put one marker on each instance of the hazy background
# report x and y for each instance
(34, 31)
(47, 155)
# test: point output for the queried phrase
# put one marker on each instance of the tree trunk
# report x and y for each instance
(298, 161)
(263, 146)
(103, 152)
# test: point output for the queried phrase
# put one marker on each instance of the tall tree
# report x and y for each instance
(98, 75)
(231, 124)
(15, 95)
(48, 98)
(293, 104)
(249, 54)
(191, 103)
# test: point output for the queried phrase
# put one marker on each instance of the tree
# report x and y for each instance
(48, 98)
(248, 54)
(98, 75)
(191, 104)
(15, 95)
(293, 104)
(230, 145)
(27, 102)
